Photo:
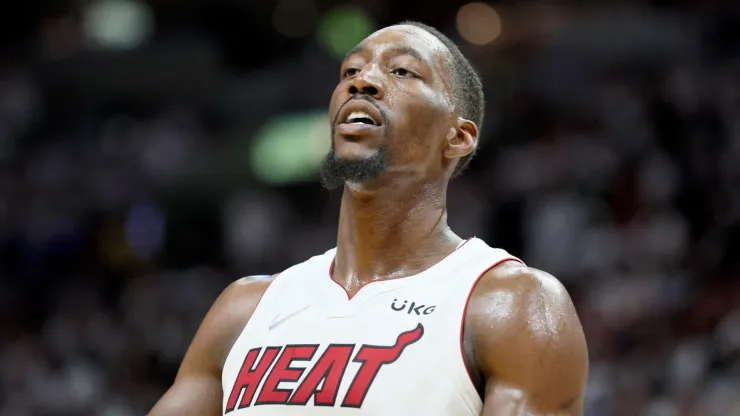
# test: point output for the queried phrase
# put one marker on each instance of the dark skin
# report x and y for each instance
(523, 341)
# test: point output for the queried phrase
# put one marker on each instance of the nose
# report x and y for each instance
(366, 83)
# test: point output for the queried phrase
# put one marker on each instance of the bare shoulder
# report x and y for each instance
(245, 292)
(231, 312)
(525, 332)
(513, 301)
(512, 286)
(238, 301)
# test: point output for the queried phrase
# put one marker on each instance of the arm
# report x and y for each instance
(197, 387)
(528, 344)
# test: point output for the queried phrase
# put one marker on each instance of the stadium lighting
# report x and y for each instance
(118, 24)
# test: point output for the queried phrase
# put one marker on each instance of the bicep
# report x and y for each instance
(539, 379)
(537, 364)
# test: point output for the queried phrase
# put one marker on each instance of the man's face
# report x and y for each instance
(391, 111)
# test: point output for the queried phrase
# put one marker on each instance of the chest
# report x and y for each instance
(394, 348)
(322, 350)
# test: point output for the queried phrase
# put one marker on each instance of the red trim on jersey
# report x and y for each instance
(331, 272)
(465, 312)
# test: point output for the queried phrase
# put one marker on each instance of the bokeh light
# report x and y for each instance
(341, 28)
(478, 23)
(145, 230)
(289, 148)
(118, 24)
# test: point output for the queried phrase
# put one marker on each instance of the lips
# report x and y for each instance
(360, 117)
(360, 113)
(356, 129)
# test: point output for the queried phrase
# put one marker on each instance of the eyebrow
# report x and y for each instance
(398, 50)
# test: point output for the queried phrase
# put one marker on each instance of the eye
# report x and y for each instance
(402, 72)
(350, 72)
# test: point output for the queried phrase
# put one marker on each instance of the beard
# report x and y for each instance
(335, 171)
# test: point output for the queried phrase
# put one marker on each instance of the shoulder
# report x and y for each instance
(522, 321)
(249, 288)
(229, 315)
(513, 300)
(512, 285)
(238, 301)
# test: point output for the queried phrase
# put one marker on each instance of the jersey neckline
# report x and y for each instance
(381, 286)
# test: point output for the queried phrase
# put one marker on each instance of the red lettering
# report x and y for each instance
(330, 369)
(373, 358)
(282, 371)
(327, 373)
(248, 378)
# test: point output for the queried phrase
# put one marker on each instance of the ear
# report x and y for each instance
(462, 139)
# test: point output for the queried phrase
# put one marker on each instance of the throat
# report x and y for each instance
(352, 279)
(391, 242)
(356, 266)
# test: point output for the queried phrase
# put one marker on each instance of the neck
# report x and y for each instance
(390, 233)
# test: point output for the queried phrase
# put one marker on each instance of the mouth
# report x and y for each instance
(357, 117)
(360, 117)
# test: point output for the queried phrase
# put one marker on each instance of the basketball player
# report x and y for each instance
(403, 317)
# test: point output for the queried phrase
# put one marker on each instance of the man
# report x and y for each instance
(403, 317)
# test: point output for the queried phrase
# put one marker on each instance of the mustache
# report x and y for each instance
(364, 97)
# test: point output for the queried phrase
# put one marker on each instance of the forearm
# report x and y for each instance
(190, 398)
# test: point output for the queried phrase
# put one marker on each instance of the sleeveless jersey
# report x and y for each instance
(394, 348)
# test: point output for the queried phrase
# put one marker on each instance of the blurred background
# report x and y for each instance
(151, 152)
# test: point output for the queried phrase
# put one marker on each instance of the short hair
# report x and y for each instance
(467, 88)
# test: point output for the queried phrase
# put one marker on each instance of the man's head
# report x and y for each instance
(408, 102)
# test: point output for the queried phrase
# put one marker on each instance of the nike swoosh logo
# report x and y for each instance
(278, 320)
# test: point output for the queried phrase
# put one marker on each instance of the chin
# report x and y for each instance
(353, 165)
(352, 151)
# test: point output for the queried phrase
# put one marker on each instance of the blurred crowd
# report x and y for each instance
(610, 158)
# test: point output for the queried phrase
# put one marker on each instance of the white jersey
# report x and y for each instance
(394, 348)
